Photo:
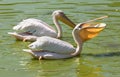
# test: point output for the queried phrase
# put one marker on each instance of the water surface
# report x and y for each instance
(99, 58)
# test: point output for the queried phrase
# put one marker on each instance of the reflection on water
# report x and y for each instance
(70, 68)
(53, 68)
(99, 58)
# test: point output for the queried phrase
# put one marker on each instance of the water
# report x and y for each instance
(99, 58)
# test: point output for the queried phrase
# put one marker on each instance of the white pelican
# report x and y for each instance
(46, 47)
(31, 28)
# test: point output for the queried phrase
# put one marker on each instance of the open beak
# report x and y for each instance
(91, 30)
(62, 17)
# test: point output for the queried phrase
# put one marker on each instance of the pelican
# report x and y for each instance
(46, 47)
(30, 29)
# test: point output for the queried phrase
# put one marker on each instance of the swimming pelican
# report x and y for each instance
(31, 28)
(46, 47)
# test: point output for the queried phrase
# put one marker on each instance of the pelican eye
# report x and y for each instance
(81, 25)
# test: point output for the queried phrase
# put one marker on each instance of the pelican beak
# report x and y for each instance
(62, 17)
(91, 30)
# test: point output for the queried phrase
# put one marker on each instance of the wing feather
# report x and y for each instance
(52, 45)
(36, 27)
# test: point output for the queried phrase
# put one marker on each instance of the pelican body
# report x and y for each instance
(46, 47)
(31, 28)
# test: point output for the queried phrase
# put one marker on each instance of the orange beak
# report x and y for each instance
(62, 17)
(91, 30)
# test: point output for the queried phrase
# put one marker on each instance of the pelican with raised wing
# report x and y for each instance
(31, 28)
(46, 47)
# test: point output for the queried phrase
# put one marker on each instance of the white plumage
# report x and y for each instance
(36, 27)
(52, 44)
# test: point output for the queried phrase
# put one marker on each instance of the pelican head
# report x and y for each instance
(59, 14)
(85, 31)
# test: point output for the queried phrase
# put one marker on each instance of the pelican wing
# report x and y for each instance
(52, 45)
(35, 27)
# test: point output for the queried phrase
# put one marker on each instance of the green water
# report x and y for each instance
(99, 58)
